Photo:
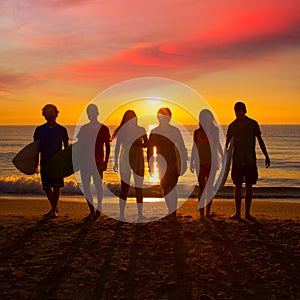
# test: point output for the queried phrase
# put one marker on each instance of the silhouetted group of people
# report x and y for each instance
(165, 146)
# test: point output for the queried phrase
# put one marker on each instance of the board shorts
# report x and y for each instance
(244, 173)
(48, 181)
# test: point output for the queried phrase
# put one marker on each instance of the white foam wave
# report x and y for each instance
(32, 185)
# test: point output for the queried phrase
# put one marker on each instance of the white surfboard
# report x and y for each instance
(225, 167)
(27, 159)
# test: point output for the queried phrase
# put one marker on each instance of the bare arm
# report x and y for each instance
(107, 151)
(183, 154)
(193, 156)
(150, 152)
(117, 151)
(65, 143)
(264, 151)
(228, 138)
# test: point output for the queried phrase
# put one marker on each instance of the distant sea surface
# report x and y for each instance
(282, 141)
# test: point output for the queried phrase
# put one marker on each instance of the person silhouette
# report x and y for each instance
(92, 138)
(205, 159)
(51, 137)
(130, 139)
(244, 169)
(166, 140)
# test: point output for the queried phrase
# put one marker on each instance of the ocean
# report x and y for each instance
(282, 143)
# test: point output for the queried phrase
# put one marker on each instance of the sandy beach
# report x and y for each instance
(69, 258)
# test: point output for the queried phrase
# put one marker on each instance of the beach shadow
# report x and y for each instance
(21, 242)
(278, 255)
(110, 271)
(125, 265)
(153, 263)
(238, 244)
(183, 287)
(47, 287)
(178, 259)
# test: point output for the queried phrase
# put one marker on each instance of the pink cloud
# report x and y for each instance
(10, 81)
(110, 41)
(203, 52)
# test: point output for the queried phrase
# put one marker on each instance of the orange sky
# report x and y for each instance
(68, 51)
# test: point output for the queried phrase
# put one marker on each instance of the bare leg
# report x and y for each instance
(123, 198)
(53, 196)
(88, 196)
(171, 198)
(238, 200)
(138, 181)
(248, 200)
(210, 177)
(86, 184)
(139, 202)
(201, 213)
(99, 190)
(97, 177)
(122, 205)
(49, 194)
(208, 207)
(56, 193)
(201, 200)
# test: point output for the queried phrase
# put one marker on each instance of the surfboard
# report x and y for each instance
(62, 164)
(27, 159)
(225, 166)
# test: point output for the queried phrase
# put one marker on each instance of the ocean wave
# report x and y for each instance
(31, 185)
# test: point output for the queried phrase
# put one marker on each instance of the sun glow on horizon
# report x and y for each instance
(154, 176)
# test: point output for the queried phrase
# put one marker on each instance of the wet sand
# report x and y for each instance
(69, 258)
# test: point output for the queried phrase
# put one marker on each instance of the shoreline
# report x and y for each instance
(153, 209)
(132, 199)
(111, 190)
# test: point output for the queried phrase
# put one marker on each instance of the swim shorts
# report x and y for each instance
(244, 173)
(48, 182)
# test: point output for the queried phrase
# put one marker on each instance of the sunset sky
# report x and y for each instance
(66, 52)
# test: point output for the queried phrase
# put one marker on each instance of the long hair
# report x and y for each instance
(203, 115)
(128, 115)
